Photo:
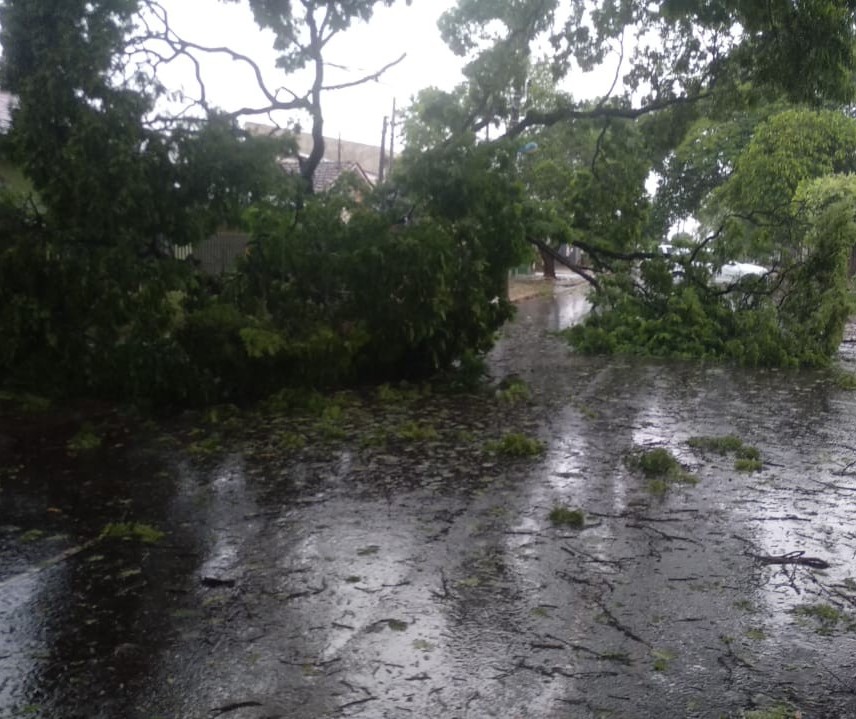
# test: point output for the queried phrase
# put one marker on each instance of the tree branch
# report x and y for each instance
(537, 118)
(612, 254)
(608, 94)
(182, 48)
(367, 78)
(562, 260)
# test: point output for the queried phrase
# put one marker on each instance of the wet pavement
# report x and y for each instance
(377, 557)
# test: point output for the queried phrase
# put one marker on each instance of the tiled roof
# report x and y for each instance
(335, 149)
(328, 172)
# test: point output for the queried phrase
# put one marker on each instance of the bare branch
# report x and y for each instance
(617, 73)
(537, 118)
(599, 147)
(367, 78)
(185, 48)
(296, 103)
(323, 26)
(561, 259)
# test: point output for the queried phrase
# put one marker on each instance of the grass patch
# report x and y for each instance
(33, 535)
(561, 516)
(25, 402)
(290, 441)
(748, 465)
(826, 616)
(127, 531)
(746, 605)
(86, 440)
(661, 468)
(618, 657)
(748, 458)
(330, 426)
(658, 487)
(749, 452)
(587, 411)
(516, 445)
(291, 401)
(223, 414)
(845, 380)
(662, 659)
(657, 463)
(417, 432)
(513, 391)
(205, 447)
(374, 438)
(720, 445)
(403, 394)
(780, 711)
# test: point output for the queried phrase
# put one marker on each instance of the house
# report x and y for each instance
(329, 171)
(336, 150)
(217, 254)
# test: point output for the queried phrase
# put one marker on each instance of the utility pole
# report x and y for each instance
(392, 137)
(382, 150)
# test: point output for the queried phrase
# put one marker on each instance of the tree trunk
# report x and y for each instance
(549, 265)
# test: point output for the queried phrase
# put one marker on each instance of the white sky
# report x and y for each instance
(355, 114)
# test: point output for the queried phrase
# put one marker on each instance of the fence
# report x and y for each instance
(217, 254)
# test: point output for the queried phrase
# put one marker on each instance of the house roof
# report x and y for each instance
(328, 172)
(335, 149)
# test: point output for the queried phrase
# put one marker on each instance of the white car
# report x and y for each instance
(733, 271)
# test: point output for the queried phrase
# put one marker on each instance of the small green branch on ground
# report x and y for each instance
(661, 469)
(748, 458)
(516, 445)
(562, 516)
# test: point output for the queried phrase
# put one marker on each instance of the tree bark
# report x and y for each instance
(549, 265)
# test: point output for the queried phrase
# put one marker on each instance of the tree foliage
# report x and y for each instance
(332, 290)
(723, 101)
(410, 278)
(787, 149)
(784, 203)
(677, 51)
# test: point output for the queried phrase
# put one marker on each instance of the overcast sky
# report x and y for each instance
(355, 113)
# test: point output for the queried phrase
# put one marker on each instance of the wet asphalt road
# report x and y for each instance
(383, 562)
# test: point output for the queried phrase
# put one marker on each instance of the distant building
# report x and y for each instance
(329, 171)
(336, 150)
(7, 103)
(218, 254)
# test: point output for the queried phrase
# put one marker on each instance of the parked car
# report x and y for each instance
(731, 272)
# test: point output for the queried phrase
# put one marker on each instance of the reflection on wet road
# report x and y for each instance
(373, 576)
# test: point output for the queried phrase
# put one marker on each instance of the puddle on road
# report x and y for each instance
(391, 573)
